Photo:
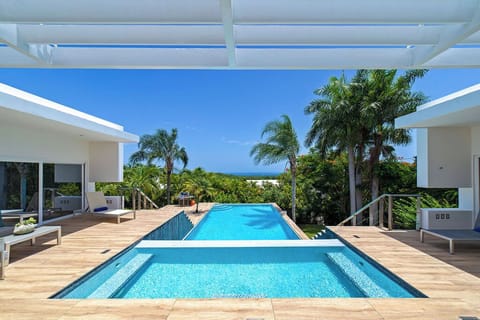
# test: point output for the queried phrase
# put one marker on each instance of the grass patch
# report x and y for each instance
(311, 229)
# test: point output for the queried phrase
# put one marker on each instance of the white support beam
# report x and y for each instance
(110, 11)
(227, 19)
(455, 58)
(353, 11)
(123, 34)
(451, 37)
(338, 58)
(131, 58)
(240, 34)
(337, 35)
(10, 58)
(473, 39)
(10, 36)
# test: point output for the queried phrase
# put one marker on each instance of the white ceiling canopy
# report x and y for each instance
(240, 34)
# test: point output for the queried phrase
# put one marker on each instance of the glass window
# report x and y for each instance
(18, 189)
(62, 185)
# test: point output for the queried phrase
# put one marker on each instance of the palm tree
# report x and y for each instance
(337, 125)
(199, 185)
(281, 144)
(161, 146)
(388, 97)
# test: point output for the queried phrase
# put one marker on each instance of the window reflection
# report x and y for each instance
(18, 190)
(62, 185)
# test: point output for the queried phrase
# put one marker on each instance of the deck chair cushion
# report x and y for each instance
(100, 209)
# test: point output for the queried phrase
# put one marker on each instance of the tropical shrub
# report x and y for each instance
(405, 209)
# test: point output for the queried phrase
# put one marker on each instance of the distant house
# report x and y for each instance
(50, 154)
(448, 150)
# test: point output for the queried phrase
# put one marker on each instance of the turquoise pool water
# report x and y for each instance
(242, 222)
(241, 270)
(258, 265)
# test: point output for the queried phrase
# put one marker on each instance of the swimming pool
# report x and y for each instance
(242, 222)
(240, 269)
(237, 268)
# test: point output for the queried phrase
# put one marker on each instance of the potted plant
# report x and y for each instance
(25, 226)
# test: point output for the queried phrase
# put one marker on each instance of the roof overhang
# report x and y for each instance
(459, 109)
(240, 34)
(24, 109)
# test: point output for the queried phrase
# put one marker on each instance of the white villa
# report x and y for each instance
(448, 151)
(50, 154)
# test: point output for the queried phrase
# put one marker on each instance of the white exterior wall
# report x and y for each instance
(103, 160)
(475, 132)
(444, 157)
(465, 198)
(26, 144)
(106, 163)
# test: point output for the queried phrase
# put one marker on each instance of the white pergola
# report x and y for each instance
(240, 34)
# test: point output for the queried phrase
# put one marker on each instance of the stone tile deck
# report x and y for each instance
(35, 273)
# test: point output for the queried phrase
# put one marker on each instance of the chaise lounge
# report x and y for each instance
(452, 236)
(97, 205)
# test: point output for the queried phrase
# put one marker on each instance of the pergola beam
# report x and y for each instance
(451, 37)
(9, 35)
(124, 34)
(353, 11)
(337, 35)
(110, 12)
(227, 19)
(240, 34)
(245, 11)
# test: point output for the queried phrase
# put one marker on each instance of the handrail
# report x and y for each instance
(137, 195)
(390, 207)
(153, 204)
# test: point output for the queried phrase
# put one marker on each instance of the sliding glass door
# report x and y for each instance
(18, 190)
(62, 189)
(61, 192)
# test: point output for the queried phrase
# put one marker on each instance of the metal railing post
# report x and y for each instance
(133, 199)
(381, 211)
(139, 200)
(390, 213)
(371, 212)
(419, 214)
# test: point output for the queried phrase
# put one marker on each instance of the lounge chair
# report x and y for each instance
(97, 205)
(452, 236)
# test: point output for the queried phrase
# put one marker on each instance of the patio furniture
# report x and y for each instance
(452, 236)
(184, 199)
(97, 205)
(19, 215)
(5, 231)
(10, 240)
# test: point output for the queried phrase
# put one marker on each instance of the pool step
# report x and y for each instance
(120, 277)
(357, 276)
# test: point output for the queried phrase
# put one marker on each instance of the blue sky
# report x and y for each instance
(219, 113)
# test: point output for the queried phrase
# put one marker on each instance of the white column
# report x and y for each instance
(84, 186)
(40, 193)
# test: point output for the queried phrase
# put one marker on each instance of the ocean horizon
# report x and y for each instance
(253, 174)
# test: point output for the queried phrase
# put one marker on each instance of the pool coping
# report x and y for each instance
(237, 243)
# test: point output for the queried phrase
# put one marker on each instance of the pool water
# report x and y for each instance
(256, 254)
(242, 222)
(284, 269)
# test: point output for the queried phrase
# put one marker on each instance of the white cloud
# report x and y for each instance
(238, 142)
